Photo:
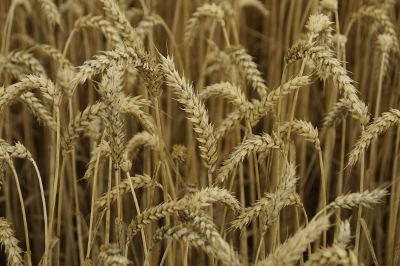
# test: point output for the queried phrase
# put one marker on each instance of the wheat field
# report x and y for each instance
(200, 132)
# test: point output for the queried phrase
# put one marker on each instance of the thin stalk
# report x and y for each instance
(21, 202)
(44, 208)
(92, 207)
(146, 253)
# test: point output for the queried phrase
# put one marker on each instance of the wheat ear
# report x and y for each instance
(99, 22)
(103, 149)
(38, 110)
(51, 12)
(328, 65)
(81, 122)
(203, 224)
(352, 200)
(338, 113)
(140, 139)
(110, 88)
(114, 14)
(246, 65)
(379, 126)
(256, 143)
(260, 108)
(200, 199)
(272, 203)
(302, 128)
(111, 254)
(343, 237)
(30, 82)
(101, 62)
(207, 10)
(146, 24)
(133, 106)
(28, 61)
(226, 89)
(292, 250)
(137, 181)
(10, 243)
(333, 256)
(197, 113)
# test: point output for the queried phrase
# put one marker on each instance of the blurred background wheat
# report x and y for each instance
(194, 132)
